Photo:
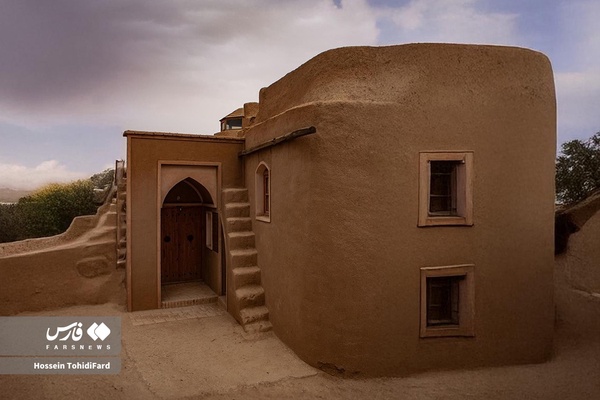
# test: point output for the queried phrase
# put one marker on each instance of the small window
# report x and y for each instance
(215, 232)
(442, 187)
(442, 300)
(447, 301)
(266, 195)
(212, 231)
(233, 123)
(263, 192)
(209, 228)
(445, 189)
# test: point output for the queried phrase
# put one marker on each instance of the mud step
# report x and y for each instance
(103, 233)
(239, 195)
(258, 326)
(241, 240)
(238, 224)
(237, 210)
(243, 258)
(188, 302)
(254, 314)
(246, 276)
(108, 219)
(250, 296)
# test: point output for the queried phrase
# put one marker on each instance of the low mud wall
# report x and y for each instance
(60, 277)
(74, 268)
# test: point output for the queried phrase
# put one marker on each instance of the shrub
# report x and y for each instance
(50, 210)
(578, 169)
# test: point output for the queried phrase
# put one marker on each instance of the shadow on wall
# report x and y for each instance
(577, 272)
(572, 219)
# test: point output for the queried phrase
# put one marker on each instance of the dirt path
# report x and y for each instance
(209, 356)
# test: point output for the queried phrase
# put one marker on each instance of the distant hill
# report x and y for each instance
(11, 195)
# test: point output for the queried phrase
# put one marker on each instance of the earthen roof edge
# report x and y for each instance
(173, 135)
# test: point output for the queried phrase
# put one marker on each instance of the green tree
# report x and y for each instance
(103, 179)
(50, 210)
(10, 228)
(102, 183)
(578, 169)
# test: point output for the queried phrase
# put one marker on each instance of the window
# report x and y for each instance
(447, 301)
(209, 227)
(262, 190)
(266, 192)
(442, 300)
(231, 123)
(445, 188)
(215, 232)
(212, 231)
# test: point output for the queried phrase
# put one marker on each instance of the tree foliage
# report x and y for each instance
(50, 210)
(578, 169)
(103, 179)
(10, 228)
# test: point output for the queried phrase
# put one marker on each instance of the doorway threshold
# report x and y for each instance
(186, 294)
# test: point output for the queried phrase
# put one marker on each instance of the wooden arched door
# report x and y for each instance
(181, 249)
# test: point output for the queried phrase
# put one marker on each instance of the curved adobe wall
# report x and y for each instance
(342, 254)
(345, 74)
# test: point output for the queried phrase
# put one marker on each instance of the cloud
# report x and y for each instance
(177, 65)
(578, 96)
(567, 32)
(182, 65)
(578, 81)
(16, 176)
(450, 21)
(579, 19)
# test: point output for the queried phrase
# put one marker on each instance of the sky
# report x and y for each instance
(75, 74)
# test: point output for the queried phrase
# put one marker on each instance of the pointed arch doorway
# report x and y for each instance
(182, 232)
(186, 256)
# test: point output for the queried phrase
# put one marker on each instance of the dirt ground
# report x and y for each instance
(212, 358)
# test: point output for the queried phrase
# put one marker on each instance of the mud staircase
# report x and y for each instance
(120, 207)
(250, 309)
(97, 253)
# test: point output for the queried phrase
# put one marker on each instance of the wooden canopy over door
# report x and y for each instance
(181, 234)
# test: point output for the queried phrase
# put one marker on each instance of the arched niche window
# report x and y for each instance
(263, 192)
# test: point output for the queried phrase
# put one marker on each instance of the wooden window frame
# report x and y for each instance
(466, 301)
(462, 191)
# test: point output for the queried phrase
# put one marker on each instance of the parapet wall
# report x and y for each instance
(399, 73)
(79, 226)
(74, 268)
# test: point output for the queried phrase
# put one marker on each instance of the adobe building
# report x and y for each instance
(384, 210)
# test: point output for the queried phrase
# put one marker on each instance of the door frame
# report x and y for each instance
(204, 169)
